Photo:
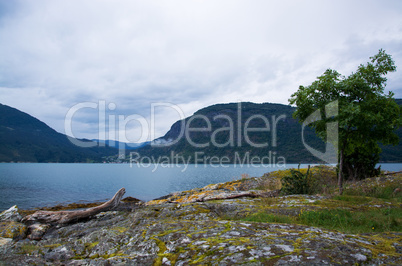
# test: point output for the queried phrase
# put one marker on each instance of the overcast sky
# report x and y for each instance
(129, 54)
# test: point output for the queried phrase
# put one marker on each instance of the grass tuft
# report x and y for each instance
(375, 220)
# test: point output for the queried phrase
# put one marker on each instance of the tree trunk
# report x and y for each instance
(64, 217)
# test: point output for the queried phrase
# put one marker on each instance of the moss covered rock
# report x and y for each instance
(14, 230)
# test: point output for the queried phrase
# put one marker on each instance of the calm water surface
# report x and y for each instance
(32, 185)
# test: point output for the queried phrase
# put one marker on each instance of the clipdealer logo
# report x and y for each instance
(330, 155)
(238, 131)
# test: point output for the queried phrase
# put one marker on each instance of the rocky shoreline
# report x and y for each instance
(200, 226)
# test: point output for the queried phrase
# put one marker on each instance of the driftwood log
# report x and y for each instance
(65, 217)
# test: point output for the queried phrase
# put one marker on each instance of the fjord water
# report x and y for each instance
(31, 185)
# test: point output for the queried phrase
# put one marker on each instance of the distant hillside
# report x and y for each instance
(283, 137)
(24, 138)
(288, 136)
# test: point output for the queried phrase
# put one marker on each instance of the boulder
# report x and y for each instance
(14, 230)
(11, 214)
(36, 231)
(5, 241)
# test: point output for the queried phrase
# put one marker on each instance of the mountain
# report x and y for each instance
(24, 138)
(213, 124)
(221, 131)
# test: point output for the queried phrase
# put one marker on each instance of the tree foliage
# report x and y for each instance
(366, 114)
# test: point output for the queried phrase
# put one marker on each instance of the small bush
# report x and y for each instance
(322, 179)
(296, 183)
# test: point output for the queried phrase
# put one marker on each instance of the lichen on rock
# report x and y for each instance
(14, 230)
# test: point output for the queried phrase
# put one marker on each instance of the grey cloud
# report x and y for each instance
(134, 53)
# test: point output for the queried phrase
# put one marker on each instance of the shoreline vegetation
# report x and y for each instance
(249, 220)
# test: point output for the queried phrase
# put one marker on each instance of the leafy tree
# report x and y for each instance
(366, 115)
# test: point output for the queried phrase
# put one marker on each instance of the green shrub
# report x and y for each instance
(296, 182)
(322, 179)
